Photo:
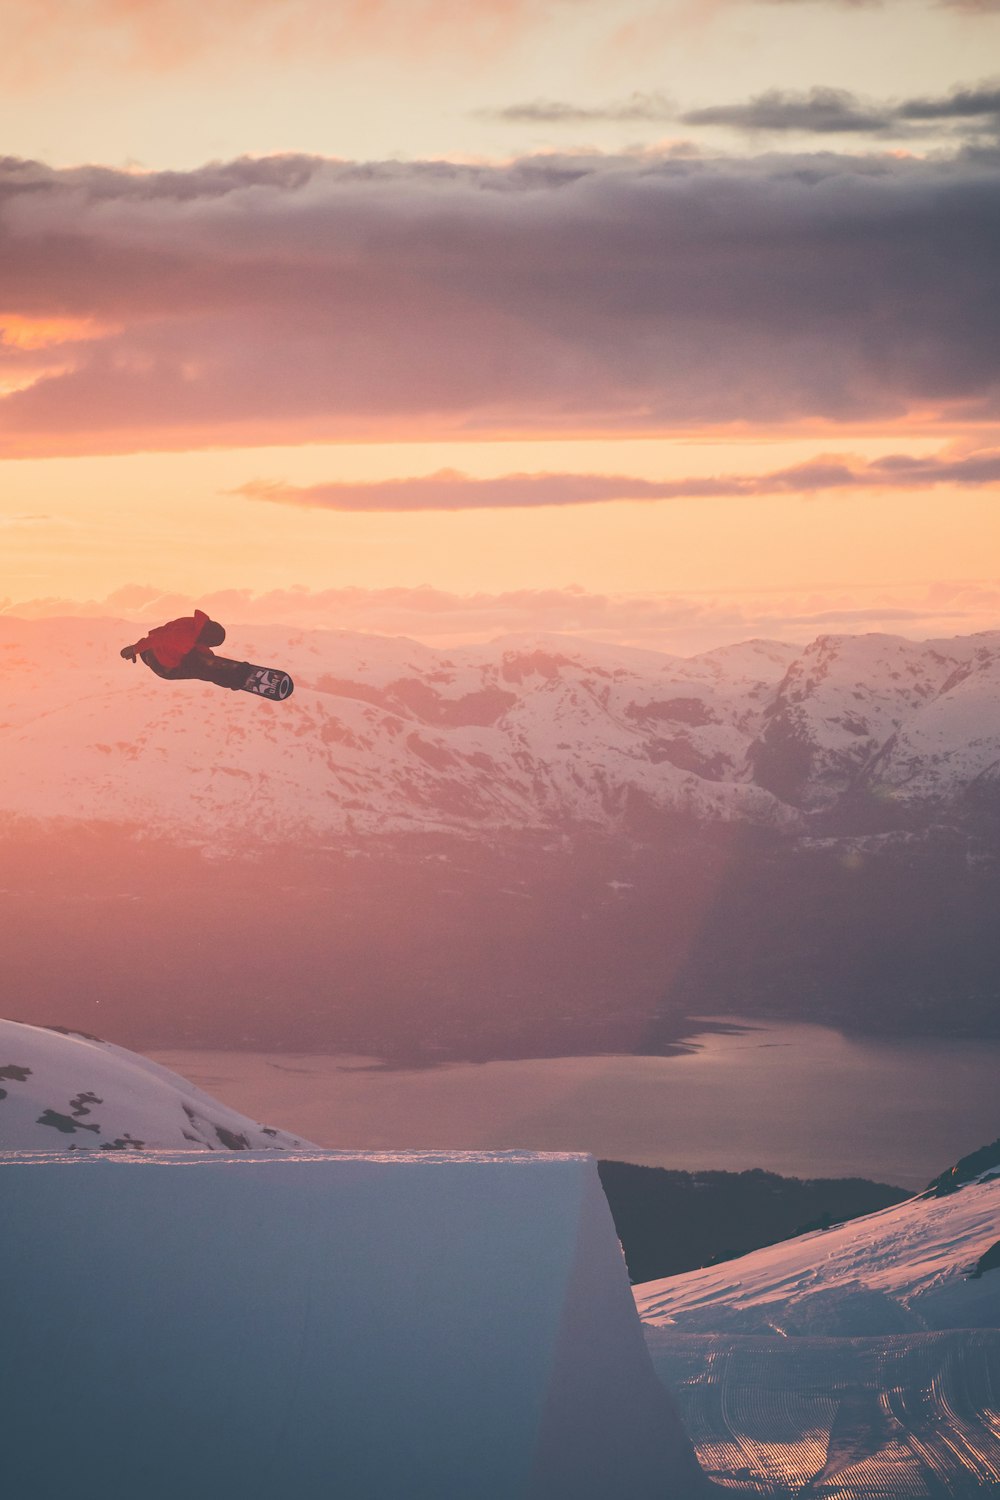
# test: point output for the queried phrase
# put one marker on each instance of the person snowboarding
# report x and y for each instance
(182, 649)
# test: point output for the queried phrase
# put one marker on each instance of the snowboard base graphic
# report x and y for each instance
(268, 682)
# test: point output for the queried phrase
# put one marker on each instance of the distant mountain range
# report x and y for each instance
(533, 846)
(852, 734)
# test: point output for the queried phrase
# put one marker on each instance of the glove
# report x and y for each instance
(128, 652)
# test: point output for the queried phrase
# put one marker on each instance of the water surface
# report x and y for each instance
(798, 1099)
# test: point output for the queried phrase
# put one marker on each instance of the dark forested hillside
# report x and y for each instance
(670, 1222)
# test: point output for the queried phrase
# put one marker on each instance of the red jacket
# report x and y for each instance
(170, 643)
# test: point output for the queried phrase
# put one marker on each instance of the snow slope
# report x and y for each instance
(386, 735)
(903, 1269)
(887, 1417)
(377, 1327)
(67, 1092)
(858, 1362)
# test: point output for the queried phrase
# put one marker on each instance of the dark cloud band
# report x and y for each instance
(817, 111)
(295, 296)
(822, 111)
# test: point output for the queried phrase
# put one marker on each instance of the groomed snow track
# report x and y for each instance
(417, 1327)
(898, 1417)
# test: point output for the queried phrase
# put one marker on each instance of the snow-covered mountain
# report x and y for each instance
(858, 1361)
(903, 720)
(388, 736)
(906, 1269)
(63, 1091)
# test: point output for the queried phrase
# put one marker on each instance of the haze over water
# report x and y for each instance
(797, 1099)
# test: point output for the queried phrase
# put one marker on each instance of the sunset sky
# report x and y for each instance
(662, 321)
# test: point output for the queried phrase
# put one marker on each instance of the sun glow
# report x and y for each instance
(20, 332)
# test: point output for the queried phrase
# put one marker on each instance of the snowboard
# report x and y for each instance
(268, 682)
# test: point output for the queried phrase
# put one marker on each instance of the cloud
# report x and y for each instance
(450, 490)
(681, 623)
(960, 104)
(823, 110)
(817, 111)
(898, 471)
(297, 298)
(638, 107)
(827, 111)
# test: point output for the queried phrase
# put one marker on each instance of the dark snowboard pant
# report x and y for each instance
(217, 669)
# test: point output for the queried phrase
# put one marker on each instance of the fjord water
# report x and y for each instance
(794, 1098)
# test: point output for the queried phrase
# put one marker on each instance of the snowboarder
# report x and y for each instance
(183, 648)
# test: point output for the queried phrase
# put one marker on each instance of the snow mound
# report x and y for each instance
(910, 1268)
(412, 1327)
(63, 1091)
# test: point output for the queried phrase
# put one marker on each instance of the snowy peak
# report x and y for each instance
(64, 1091)
(850, 706)
(978, 1166)
(954, 741)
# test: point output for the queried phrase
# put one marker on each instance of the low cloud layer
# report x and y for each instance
(681, 623)
(295, 298)
(450, 490)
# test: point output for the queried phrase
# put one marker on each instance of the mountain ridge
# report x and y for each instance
(850, 735)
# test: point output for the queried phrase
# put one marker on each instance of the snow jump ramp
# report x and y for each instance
(369, 1327)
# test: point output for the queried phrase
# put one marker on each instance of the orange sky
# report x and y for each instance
(552, 266)
(727, 568)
